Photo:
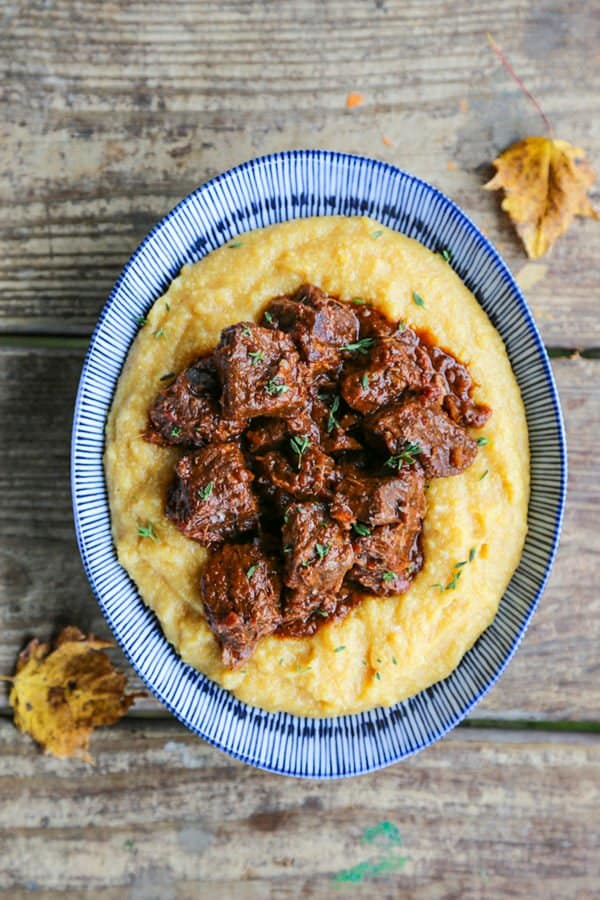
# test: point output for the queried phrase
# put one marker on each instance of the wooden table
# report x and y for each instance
(111, 113)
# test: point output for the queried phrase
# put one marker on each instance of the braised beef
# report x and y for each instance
(413, 433)
(319, 325)
(241, 587)
(188, 411)
(363, 501)
(395, 363)
(317, 555)
(260, 372)
(312, 435)
(212, 497)
(457, 385)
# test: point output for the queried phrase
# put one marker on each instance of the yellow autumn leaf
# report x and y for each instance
(61, 692)
(545, 184)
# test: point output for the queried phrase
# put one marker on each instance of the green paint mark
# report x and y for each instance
(386, 839)
(385, 830)
(365, 870)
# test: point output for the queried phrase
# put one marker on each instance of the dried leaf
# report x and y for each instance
(545, 185)
(60, 693)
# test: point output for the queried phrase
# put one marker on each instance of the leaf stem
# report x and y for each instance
(527, 93)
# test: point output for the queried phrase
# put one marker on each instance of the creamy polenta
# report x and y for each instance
(387, 649)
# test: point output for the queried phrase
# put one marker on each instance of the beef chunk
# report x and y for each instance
(266, 434)
(366, 501)
(373, 324)
(212, 498)
(443, 448)
(394, 364)
(457, 385)
(260, 372)
(334, 424)
(319, 326)
(303, 475)
(241, 589)
(388, 558)
(188, 412)
(317, 556)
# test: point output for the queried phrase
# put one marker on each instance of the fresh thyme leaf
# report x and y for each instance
(446, 255)
(141, 321)
(275, 388)
(377, 234)
(472, 554)
(322, 550)
(460, 564)
(167, 306)
(332, 422)
(246, 330)
(483, 476)
(406, 455)
(418, 299)
(340, 648)
(482, 441)
(299, 446)
(362, 530)
(206, 491)
(365, 381)
(251, 571)
(160, 332)
(168, 376)
(401, 326)
(394, 660)
(378, 676)
(175, 431)
(257, 356)
(235, 245)
(452, 584)
(361, 346)
(147, 531)
(389, 576)
(437, 585)
(288, 548)
(267, 315)
(358, 300)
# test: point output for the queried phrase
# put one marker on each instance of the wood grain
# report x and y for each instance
(42, 584)
(112, 112)
(163, 815)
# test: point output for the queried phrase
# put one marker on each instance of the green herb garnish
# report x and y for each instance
(401, 326)
(340, 648)
(418, 299)
(472, 554)
(235, 245)
(160, 332)
(377, 234)
(299, 446)
(362, 530)
(483, 476)
(378, 676)
(167, 306)
(482, 441)
(251, 571)
(322, 550)
(168, 376)
(275, 388)
(389, 576)
(175, 431)
(358, 300)
(148, 532)
(267, 315)
(141, 321)
(394, 660)
(362, 346)
(406, 455)
(257, 356)
(365, 381)
(206, 491)
(446, 255)
(332, 422)
(246, 330)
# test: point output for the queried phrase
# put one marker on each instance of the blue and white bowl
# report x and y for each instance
(263, 192)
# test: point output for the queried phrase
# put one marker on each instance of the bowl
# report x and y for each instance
(262, 192)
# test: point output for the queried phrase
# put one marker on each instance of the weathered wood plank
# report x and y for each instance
(42, 584)
(113, 113)
(163, 815)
